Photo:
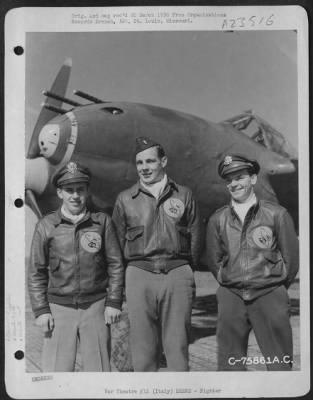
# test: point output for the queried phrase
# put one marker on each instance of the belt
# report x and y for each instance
(158, 266)
(158, 270)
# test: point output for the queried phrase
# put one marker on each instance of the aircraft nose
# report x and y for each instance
(37, 175)
(274, 164)
(48, 140)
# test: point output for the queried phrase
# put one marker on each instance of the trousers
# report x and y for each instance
(268, 316)
(72, 324)
(160, 308)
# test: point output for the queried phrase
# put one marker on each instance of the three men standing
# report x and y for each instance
(252, 250)
(76, 273)
(157, 223)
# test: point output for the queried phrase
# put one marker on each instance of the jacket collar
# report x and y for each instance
(59, 217)
(139, 188)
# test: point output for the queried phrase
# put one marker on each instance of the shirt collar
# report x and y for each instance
(253, 209)
(251, 201)
(139, 188)
(157, 188)
(59, 217)
(74, 218)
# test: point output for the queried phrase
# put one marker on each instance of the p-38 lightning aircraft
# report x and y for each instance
(101, 135)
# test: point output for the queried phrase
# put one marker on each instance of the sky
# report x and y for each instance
(214, 75)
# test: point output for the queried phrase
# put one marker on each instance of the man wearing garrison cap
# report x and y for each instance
(252, 250)
(157, 222)
(75, 277)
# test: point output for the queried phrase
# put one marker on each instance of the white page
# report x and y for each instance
(211, 62)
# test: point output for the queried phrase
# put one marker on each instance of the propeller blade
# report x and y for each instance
(58, 87)
(31, 201)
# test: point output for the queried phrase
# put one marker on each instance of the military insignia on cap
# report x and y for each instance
(174, 208)
(91, 242)
(72, 167)
(144, 143)
(228, 160)
(263, 237)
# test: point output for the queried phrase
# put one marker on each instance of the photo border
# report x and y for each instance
(14, 216)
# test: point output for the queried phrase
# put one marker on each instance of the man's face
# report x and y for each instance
(150, 167)
(240, 185)
(74, 196)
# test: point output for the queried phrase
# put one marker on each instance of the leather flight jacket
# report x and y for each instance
(158, 234)
(254, 257)
(75, 264)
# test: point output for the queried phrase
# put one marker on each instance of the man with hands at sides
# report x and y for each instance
(75, 277)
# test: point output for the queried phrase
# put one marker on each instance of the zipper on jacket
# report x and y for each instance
(157, 221)
(244, 247)
(76, 265)
(160, 215)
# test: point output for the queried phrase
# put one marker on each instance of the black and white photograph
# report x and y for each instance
(157, 168)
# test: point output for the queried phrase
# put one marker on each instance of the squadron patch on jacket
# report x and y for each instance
(263, 237)
(174, 207)
(91, 242)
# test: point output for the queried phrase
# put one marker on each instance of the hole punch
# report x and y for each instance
(19, 355)
(18, 50)
(18, 203)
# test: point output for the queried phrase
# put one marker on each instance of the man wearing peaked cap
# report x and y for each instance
(236, 163)
(75, 277)
(252, 250)
(72, 172)
(157, 222)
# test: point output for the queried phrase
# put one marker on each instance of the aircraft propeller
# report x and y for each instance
(38, 169)
(59, 86)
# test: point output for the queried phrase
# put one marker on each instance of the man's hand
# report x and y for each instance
(45, 323)
(111, 315)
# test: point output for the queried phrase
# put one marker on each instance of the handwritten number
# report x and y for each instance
(269, 20)
(242, 22)
(252, 20)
